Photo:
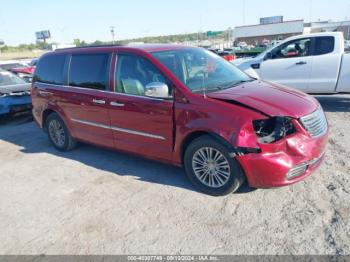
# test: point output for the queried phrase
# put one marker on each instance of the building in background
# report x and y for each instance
(273, 29)
(270, 29)
(328, 26)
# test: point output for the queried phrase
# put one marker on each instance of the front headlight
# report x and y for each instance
(273, 129)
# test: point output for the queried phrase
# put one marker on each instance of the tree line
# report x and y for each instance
(179, 38)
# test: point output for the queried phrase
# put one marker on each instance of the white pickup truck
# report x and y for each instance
(314, 63)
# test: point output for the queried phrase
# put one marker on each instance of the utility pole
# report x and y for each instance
(243, 12)
(310, 11)
(112, 33)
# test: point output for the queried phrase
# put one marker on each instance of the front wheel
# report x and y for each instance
(210, 167)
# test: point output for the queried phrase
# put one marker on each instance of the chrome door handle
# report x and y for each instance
(98, 101)
(117, 104)
(301, 63)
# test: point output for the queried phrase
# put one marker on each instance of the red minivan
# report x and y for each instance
(180, 105)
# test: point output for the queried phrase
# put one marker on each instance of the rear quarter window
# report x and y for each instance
(324, 45)
(50, 69)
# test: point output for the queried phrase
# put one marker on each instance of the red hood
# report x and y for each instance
(269, 98)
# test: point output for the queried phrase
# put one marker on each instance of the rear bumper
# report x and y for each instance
(270, 168)
(15, 104)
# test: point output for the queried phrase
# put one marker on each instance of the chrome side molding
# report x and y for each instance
(124, 130)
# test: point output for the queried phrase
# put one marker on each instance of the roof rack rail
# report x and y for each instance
(86, 46)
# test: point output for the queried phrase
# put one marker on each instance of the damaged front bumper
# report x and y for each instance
(14, 103)
(286, 161)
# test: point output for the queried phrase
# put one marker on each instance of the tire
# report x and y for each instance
(217, 175)
(58, 133)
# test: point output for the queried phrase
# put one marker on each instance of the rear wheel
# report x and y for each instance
(210, 167)
(58, 133)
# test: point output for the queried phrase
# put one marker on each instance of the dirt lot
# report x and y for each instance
(96, 201)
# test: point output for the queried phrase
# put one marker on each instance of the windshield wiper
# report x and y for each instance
(234, 83)
(207, 89)
(224, 86)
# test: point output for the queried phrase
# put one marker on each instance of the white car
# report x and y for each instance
(9, 64)
(314, 63)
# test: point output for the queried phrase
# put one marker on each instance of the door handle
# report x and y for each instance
(98, 101)
(301, 63)
(117, 104)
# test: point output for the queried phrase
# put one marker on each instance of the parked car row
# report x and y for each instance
(26, 72)
(15, 78)
(228, 53)
(22, 69)
(184, 106)
(14, 94)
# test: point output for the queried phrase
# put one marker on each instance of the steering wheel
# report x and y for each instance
(157, 78)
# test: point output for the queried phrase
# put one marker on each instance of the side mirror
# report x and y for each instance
(157, 90)
(268, 56)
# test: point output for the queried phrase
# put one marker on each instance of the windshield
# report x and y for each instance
(7, 78)
(201, 70)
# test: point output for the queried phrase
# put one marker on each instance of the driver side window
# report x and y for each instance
(291, 49)
(134, 73)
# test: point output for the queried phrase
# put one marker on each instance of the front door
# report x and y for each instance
(289, 64)
(141, 124)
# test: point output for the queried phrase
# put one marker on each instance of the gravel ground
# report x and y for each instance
(96, 201)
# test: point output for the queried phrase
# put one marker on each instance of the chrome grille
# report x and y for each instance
(315, 123)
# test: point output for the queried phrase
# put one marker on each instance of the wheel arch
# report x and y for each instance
(50, 110)
(45, 115)
(199, 133)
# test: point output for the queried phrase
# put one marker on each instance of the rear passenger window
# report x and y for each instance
(324, 45)
(89, 71)
(50, 70)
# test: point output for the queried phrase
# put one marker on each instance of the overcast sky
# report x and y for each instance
(90, 20)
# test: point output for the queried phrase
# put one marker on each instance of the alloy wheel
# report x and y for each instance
(211, 167)
(57, 133)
